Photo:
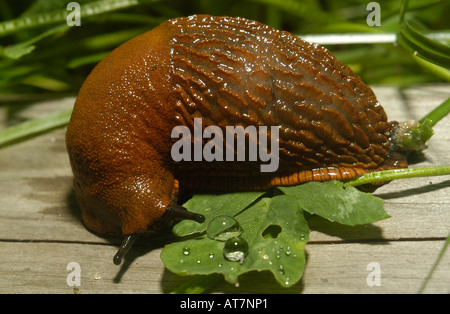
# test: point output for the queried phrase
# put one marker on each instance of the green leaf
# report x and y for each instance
(210, 206)
(276, 233)
(338, 203)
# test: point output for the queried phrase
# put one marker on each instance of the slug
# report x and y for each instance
(222, 71)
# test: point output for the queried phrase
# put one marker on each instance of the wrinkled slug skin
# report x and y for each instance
(116, 140)
(227, 71)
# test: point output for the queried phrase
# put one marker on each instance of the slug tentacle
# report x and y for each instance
(127, 243)
(179, 213)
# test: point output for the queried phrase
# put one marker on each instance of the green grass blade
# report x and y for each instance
(411, 39)
(46, 18)
(18, 50)
(34, 127)
(436, 263)
(434, 68)
(424, 47)
(403, 9)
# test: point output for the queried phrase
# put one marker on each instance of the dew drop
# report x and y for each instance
(222, 228)
(186, 251)
(235, 249)
(287, 280)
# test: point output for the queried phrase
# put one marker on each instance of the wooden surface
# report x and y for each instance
(41, 231)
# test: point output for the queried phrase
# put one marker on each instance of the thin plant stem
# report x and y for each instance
(436, 263)
(388, 175)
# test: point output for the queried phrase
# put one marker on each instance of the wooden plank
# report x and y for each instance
(403, 266)
(34, 267)
(41, 231)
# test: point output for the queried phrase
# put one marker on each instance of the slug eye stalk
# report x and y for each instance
(127, 243)
(173, 212)
(180, 212)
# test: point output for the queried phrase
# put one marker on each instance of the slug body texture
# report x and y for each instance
(229, 72)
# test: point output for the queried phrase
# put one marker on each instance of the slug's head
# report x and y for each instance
(128, 211)
(173, 212)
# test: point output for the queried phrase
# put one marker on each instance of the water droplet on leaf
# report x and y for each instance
(235, 249)
(288, 251)
(222, 228)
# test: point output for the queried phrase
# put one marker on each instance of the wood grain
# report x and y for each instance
(41, 231)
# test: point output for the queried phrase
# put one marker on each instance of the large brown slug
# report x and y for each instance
(229, 72)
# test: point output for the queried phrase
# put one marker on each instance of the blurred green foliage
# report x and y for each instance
(41, 55)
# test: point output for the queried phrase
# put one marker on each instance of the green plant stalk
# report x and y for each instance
(437, 113)
(403, 9)
(388, 175)
(433, 68)
(420, 45)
